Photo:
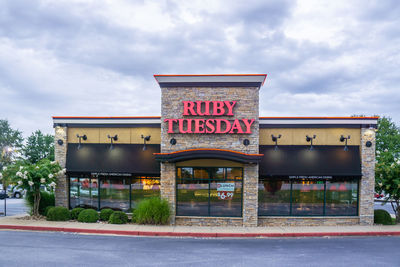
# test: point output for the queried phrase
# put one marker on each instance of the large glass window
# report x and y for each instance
(209, 191)
(115, 192)
(273, 197)
(84, 192)
(341, 197)
(308, 198)
(144, 187)
(284, 197)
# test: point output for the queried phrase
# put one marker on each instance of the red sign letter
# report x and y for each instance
(170, 124)
(207, 108)
(188, 106)
(248, 125)
(230, 107)
(218, 108)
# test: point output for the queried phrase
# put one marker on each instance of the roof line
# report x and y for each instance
(367, 118)
(158, 117)
(106, 117)
(204, 75)
(207, 149)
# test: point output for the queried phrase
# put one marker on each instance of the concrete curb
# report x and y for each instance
(192, 234)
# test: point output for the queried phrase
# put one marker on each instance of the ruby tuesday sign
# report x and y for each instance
(212, 125)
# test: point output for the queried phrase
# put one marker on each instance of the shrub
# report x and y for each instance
(118, 217)
(152, 211)
(382, 217)
(88, 216)
(105, 214)
(46, 199)
(75, 213)
(47, 210)
(58, 214)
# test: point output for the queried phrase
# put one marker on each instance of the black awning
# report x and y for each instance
(299, 160)
(208, 153)
(123, 158)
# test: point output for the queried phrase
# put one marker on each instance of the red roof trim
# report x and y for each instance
(327, 118)
(94, 117)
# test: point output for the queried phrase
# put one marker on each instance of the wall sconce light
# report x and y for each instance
(145, 139)
(310, 139)
(80, 137)
(172, 141)
(60, 142)
(343, 139)
(368, 143)
(112, 138)
(275, 139)
(246, 142)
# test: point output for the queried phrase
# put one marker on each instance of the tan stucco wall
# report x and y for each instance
(125, 135)
(297, 136)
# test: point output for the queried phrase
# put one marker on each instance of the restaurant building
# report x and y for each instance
(217, 162)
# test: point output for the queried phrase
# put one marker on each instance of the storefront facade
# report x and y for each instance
(219, 163)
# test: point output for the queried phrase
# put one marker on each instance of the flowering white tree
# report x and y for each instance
(31, 177)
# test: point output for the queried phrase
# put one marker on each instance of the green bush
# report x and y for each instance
(47, 210)
(58, 214)
(46, 199)
(88, 216)
(382, 217)
(105, 214)
(75, 213)
(118, 217)
(152, 211)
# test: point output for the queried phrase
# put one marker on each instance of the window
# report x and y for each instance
(83, 192)
(284, 197)
(209, 191)
(115, 192)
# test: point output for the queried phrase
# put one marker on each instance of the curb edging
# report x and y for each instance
(192, 234)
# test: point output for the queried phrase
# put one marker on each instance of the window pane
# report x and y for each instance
(234, 173)
(226, 198)
(114, 193)
(88, 195)
(217, 173)
(308, 198)
(184, 173)
(341, 198)
(199, 173)
(192, 198)
(73, 192)
(273, 197)
(144, 188)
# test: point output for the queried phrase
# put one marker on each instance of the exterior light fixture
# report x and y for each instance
(145, 139)
(172, 141)
(60, 142)
(344, 139)
(246, 142)
(368, 143)
(310, 139)
(275, 139)
(80, 137)
(112, 138)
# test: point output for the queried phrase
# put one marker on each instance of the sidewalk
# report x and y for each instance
(13, 223)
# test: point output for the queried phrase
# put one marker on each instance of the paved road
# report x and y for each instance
(58, 249)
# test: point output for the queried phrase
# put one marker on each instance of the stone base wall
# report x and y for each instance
(250, 194)
(208, 221)
(307, 221)
(60, 154)
(168, 187)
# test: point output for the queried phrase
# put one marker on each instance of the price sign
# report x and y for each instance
(225, 190)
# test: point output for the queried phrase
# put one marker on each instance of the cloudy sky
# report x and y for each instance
(97, 58)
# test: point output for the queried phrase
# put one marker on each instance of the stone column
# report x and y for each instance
(367, 184)
(250, 195)
(168, 187)
(60, 154)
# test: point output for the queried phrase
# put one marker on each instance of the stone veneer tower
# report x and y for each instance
(241, 88)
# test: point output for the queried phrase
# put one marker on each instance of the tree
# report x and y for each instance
(10, 142)
(39, 146)
(387, 169)
(31, 177)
